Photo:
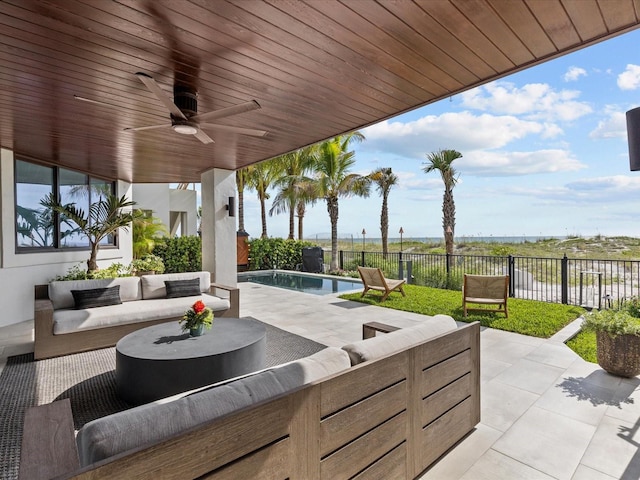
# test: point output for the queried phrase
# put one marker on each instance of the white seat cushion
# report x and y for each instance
(61, 297)
(153, 285)
(388, 343)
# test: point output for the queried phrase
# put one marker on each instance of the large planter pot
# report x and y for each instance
(619, 355)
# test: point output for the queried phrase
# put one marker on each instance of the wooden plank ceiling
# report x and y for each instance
(317, 68)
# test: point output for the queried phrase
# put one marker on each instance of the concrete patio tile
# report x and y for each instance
(495, 465)
(586, 473)
(504, 336)
(507, 351)
(551, 353)
(626, 404)
(578, 399)
(531, 376)
(546, 441)
(615, 449)
(490, 368)
(592, 373)
(503, 404)
(464, 455)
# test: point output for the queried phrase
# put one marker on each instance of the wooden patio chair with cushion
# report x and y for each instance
(373, 279)
(486, 290)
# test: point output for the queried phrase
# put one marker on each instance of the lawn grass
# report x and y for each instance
(584, 344)
(528, 317)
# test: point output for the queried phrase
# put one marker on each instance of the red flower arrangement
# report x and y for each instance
(198, 314)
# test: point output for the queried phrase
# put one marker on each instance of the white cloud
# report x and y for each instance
(535, 101)
(574, 73)
(462, 131)
(630, 78)
(497, 164)
(613, 126)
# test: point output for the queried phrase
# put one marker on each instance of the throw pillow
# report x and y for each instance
(96, 297)
(182, 288)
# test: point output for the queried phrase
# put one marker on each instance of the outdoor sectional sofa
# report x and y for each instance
(385, 407)
(65, 324)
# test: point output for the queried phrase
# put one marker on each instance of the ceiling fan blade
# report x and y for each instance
(160, 94)
(149, 127)
(203, 137)
(227, 128)
(227, 112)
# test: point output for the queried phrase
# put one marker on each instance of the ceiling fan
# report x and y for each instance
(184, 113)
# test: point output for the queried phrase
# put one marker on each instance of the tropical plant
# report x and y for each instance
(441, 161)
(146, 231)
(148, 263)
(295, 189)
(180, 254)
(103, 218)
(261, 177)
(242, 180)
(384, 179)
(333, 180)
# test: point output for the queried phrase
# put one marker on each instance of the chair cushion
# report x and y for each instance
(96, 297)
(153, 422)
(383, 345)
(182, 288)
(61, 297)
(153, 286)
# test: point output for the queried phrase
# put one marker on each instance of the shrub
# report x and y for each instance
(278, 253)
(614, 322)
(148, 263)
(112, 271)
(180, 254)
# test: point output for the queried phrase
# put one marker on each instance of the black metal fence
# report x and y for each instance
(585, 282)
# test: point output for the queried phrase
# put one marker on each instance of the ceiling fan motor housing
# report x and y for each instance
(186, 99)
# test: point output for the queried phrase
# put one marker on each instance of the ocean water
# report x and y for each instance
(461, 239)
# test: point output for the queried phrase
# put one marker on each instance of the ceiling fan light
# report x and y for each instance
(185, 129)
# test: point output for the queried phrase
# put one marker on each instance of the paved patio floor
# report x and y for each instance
(546, 413)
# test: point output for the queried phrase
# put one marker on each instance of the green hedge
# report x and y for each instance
(180, 254)
(278, 253)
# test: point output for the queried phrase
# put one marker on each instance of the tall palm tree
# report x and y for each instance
(295, 191)
(261, 178)
(242, 180)
(384, 179)
(333, 180)
(441, 161)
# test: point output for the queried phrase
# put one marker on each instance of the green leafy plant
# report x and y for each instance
(146, 232)
(112, 271)
(614, 322)
(278, 253)
(148, 263)
(180, 254)
(198, 314)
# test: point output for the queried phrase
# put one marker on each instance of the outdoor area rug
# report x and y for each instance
(88, 380)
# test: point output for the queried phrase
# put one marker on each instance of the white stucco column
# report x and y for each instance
(218, 228)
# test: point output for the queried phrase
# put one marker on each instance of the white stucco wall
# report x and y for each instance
(219, 243)
(20, 272)
(162, 200)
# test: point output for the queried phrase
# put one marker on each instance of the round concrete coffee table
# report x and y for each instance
(162, 360)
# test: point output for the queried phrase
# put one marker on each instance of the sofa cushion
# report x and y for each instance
(388, 343)
(96, 297)
(60, 291)
(182, 288)
(153, 285)
(71, 320)
(153, 422)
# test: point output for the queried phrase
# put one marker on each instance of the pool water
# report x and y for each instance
(301, 282)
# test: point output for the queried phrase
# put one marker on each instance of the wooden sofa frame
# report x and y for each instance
(49, 345)
(388, 418)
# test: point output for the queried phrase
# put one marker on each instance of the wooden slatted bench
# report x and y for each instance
(369, 329)
(48, 442)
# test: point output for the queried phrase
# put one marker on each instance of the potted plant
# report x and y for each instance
(148, 264)
(617, 339)
(197, 318)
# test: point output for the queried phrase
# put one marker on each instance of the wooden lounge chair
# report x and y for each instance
(486, 290)
(373, 279)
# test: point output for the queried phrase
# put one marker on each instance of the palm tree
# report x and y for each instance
(104, 218)
(242, 181)
(384, 179)
(441, 161)
(295, 188)
(333, 180)
(146, 230)
(261, 177)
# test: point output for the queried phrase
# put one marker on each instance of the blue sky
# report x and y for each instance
(544, 154)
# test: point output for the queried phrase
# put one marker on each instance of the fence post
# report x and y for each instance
(512, 275)
(448, 266)
(564, 279)
(363, 259)
(341, 259)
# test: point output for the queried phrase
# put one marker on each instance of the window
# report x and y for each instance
(37, 228)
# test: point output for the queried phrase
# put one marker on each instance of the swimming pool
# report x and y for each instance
(301, 282)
